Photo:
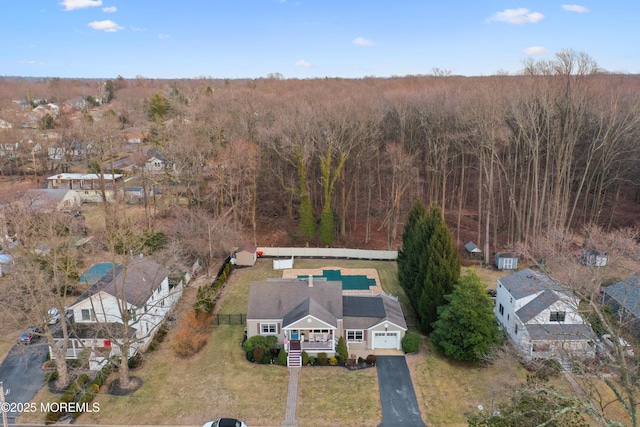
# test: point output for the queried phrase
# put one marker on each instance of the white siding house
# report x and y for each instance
(541, 317)
(142, 289)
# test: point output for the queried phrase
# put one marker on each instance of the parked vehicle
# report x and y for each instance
(624, 346)
(53, 315)
(224, 422)
(28, 336)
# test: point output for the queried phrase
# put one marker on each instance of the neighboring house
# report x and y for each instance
(624, 299)
(541, 317)
(136, 137)
(592, 257)
(506, 260)
(145, 289)
(49, 199)
(90, 186)
(156, 163)
(246, 256)
(472, 249)
(311, 315)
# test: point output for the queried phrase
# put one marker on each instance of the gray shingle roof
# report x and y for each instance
(362, 312)
(275, 299)
(471, 247)
(560, 332)
(309, 307)
(626, 293)
(137, 281)
(537, 305)
(528, 282)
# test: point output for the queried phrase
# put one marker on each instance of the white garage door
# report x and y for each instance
(385, 339)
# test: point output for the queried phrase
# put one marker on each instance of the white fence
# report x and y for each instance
(282, 264)
(328, 253)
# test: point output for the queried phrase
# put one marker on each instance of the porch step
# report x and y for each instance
(294, 360)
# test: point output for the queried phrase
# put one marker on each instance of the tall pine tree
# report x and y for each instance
(413, 242)
(466, 328)
(440, 266)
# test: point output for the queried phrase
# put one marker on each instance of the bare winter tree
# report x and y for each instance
(610, 380)
(43, 278)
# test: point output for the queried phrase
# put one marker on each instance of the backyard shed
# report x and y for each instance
(246, 256)
(472, 249)
(506, 260)
(593, 257)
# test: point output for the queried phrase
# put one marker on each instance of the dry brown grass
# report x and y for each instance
(338, 397)
(447, 391)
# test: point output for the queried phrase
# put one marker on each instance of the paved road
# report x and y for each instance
(21, 373)
(399, 403)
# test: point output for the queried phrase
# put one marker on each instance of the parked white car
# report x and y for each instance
(53, 315)
(624, 346)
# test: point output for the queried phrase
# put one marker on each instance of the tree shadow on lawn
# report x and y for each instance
(116, 390)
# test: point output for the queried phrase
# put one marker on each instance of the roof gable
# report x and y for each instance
(537, 305)
(276, 298)
(309, 307)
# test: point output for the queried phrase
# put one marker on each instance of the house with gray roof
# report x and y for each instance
(311, 314)
(139, 293)
(624, 299)
(541, 317)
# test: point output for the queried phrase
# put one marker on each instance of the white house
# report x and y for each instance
(541, 317)
(143, 289)
(89, 186)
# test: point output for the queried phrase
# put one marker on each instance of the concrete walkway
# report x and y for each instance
(292, 398)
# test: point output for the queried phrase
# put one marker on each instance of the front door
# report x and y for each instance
(295, 334)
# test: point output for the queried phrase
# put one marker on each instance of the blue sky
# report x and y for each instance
(307, 38)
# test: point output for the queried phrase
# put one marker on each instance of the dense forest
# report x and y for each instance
(506, 157)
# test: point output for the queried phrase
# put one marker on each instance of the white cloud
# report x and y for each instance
(535, 50)
(163, 36)
(110, 9)
(32, 62)
(107, 26)
(79, 4)
(575, 8)
(361, 41)
(138, 29)
(303, 63)
(517, 16)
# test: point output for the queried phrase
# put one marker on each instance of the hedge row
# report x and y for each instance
(81, 391)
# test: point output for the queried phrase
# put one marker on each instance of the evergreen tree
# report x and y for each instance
(466, 327)
(440, 266)
(158, 108)
(413, 242)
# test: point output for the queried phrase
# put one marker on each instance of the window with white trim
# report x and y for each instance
(88, 314)
(355, 336)
(268, 328)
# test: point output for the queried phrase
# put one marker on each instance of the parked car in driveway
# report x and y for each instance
(224, 422)
(53, 315)
(28, 336)
(624, 345)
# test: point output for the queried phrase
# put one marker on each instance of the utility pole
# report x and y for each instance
(3, 406)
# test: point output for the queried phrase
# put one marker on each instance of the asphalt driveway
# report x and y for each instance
(399, 403)
(21, 373)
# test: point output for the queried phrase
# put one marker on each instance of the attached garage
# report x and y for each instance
(388, 339)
